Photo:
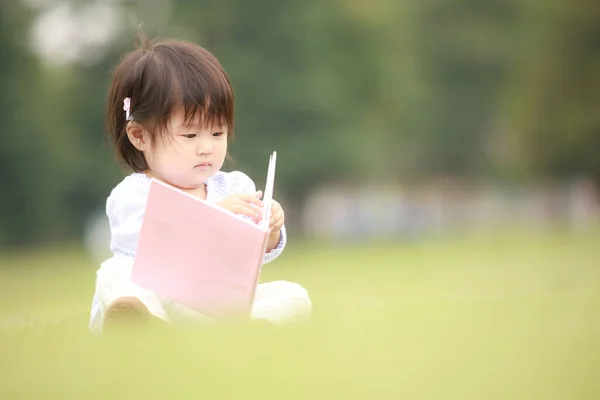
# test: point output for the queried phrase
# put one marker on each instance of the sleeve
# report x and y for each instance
(246, 185)
(125, 208)
(273, 254)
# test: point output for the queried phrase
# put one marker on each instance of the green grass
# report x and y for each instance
(505, 316)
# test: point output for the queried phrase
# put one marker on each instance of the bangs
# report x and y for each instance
(205, 95)
(189, 78)
(206, 107)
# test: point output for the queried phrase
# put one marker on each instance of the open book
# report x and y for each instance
(199, 254)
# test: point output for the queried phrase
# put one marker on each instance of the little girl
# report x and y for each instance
(170, 117)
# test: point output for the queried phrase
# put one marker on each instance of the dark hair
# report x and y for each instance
(158, 77)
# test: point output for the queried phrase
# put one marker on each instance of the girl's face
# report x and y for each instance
(185, 156)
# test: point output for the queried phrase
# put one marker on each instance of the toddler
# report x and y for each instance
(170, 117)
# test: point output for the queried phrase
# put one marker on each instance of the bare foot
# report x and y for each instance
(126, 312)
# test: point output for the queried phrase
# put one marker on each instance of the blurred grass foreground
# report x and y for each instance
(495, 316)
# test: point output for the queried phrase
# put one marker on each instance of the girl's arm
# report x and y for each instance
(274, 239)
(125, 209)
(275, 247)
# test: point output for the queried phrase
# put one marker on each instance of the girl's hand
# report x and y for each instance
(244, 204)
(277, 218)
(275, 225)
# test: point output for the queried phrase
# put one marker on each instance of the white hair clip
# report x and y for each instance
(126, 108)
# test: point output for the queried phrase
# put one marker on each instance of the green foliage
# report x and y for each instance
(342, 90)
(556, 90)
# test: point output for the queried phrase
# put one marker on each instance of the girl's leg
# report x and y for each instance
(117, 298)
(277, 302)
(280, 302)
(183, 315)
(130, 303)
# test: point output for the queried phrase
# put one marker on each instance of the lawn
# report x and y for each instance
(498, 316)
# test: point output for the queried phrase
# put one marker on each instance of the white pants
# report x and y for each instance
(277, 302)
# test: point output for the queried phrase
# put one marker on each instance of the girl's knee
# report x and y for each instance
(296, 290)
(289, 295)
(282, 289)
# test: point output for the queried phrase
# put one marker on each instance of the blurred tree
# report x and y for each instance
(465, 52)
(343, 90)
(51, 147)
(554, 101)
(18, 209)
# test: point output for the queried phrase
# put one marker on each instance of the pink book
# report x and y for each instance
(199, 254)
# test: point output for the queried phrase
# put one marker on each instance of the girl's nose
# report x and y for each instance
(204, 147)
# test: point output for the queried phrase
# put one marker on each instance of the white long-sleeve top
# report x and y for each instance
(126, 205)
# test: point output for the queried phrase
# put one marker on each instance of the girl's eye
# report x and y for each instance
(190, 136)
(217, 134)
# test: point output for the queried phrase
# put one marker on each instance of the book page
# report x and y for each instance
(268, 195)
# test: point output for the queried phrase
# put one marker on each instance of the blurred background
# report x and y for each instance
(438, 161)
(390, 118)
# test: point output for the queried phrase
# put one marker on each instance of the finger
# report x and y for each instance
(247, 211)
(273, 219)
(247, 200)
(275, 207)
(250, 198)
(258, 194)
(255, 207)
(276, 221)
(275, 215)
(278, 215)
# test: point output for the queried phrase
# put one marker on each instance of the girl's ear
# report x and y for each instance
(137, 135)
